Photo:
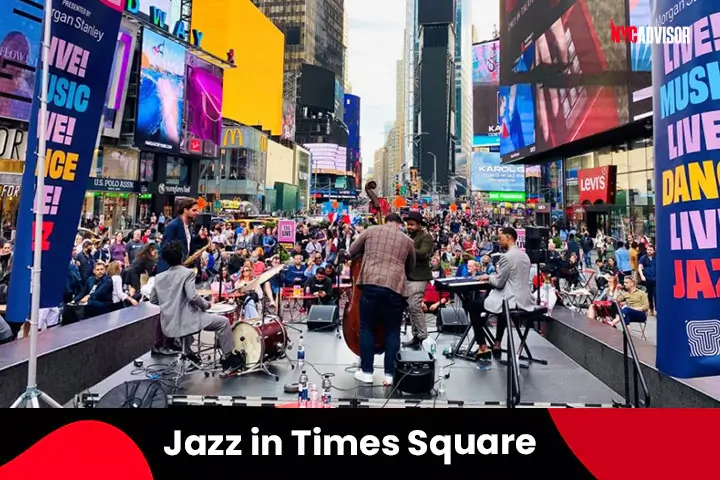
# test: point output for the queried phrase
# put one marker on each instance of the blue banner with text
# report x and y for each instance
(82, 45)
(686, 97)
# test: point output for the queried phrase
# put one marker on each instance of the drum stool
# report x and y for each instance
(185, 365)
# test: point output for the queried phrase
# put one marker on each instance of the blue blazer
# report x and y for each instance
(102, 294)
(175, 230)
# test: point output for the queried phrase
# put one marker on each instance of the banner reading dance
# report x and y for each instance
(83, 39)
(686, 88)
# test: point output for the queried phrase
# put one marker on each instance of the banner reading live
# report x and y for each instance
(84, 37)
(687, 153)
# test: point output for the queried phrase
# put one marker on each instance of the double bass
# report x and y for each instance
(351, 316)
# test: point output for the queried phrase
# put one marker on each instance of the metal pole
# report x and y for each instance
(30, 397)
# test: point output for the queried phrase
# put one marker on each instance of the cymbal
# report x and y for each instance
(206, 293)
(263, 277)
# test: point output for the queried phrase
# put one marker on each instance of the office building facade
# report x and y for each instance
(435, 95)
(463, 95)
(314, 32)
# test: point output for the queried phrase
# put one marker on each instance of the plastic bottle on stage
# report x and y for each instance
(326, 395)
(441, 382)
(303, 390)
(429, 345)
(301, 353)
(314, 397)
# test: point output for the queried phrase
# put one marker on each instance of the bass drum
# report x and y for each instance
(261, 341)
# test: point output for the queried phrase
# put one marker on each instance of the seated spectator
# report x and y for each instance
(6, 334)
(119, 296)
(598, 310)
(316, 265)
(433, 299)
(320, 287)
(570, 272)
(486, 266)
(295, 273)
(635, 304)
(97, 293)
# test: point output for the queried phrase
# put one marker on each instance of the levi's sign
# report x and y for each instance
(597, 185)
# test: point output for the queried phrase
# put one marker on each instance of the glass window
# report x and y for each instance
(207, 169)
(620, 158)
(177, 171)
(147, 167)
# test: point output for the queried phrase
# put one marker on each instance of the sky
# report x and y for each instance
(375, 45)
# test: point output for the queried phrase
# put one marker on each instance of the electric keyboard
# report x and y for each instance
(459, 285)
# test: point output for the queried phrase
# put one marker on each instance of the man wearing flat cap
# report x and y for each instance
(418, 277)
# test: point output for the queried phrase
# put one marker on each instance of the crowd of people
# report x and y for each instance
(402, 259)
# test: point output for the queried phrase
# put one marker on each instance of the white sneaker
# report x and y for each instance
(388, 381)
(363, 377)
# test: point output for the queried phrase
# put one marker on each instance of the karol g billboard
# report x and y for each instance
(488, 174)
(203, 107)
(20, 33)
(162, 94)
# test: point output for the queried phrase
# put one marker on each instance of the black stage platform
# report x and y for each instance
(560, 383)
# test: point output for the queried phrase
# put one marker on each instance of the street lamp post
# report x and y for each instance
(434, 183)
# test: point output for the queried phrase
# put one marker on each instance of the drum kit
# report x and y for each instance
(262, 340)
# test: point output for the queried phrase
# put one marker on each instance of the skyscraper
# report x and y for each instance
(463, 94)
(410, 57)
(314, 32)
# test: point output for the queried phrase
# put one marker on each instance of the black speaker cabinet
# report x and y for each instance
(203, 220)
(452, 320)
(536, 237)
(414, 372)
(323, 317)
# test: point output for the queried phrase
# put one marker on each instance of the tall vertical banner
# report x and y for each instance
(687, 160)
(83, 39)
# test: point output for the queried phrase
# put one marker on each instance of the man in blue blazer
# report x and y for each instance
(180, 229)
(97, 293)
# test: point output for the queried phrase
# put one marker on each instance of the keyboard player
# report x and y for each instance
(511, 282)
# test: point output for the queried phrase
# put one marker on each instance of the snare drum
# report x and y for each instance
(261, 341)
(228, 311)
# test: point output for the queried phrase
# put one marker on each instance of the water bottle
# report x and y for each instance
(301, 353)
(326, 395)
(441, 383)
(314, 397)
(303, 390)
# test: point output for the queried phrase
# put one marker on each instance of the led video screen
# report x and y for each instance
(562, 78)
(486, 78)
(162, 94)
(327, 158)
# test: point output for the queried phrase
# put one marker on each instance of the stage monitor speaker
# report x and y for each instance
(203, 220)
(323, 317)
(536, 238)
(414, 372)
(452, 320)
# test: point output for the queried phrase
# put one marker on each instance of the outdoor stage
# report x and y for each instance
(562, 382)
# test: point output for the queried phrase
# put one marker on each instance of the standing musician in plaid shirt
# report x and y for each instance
(387, 255)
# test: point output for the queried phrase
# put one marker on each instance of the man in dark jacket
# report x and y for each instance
(419, 277)
(97, 293)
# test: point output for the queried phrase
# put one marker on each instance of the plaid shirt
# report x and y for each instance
(387, 254)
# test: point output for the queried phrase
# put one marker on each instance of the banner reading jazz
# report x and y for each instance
(83, 39)
(686, 88)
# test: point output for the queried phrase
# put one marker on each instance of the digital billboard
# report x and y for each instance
(327, 158)
(488, 174)
(558, 61)
(119, 78)
(20, 33)
(486, 78)
(162, 94)
(640, 63)
(317, 87)
(203, 107)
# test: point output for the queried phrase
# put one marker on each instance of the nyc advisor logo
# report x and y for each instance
(649, 35)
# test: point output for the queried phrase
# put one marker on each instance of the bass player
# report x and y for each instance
(387, 255)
